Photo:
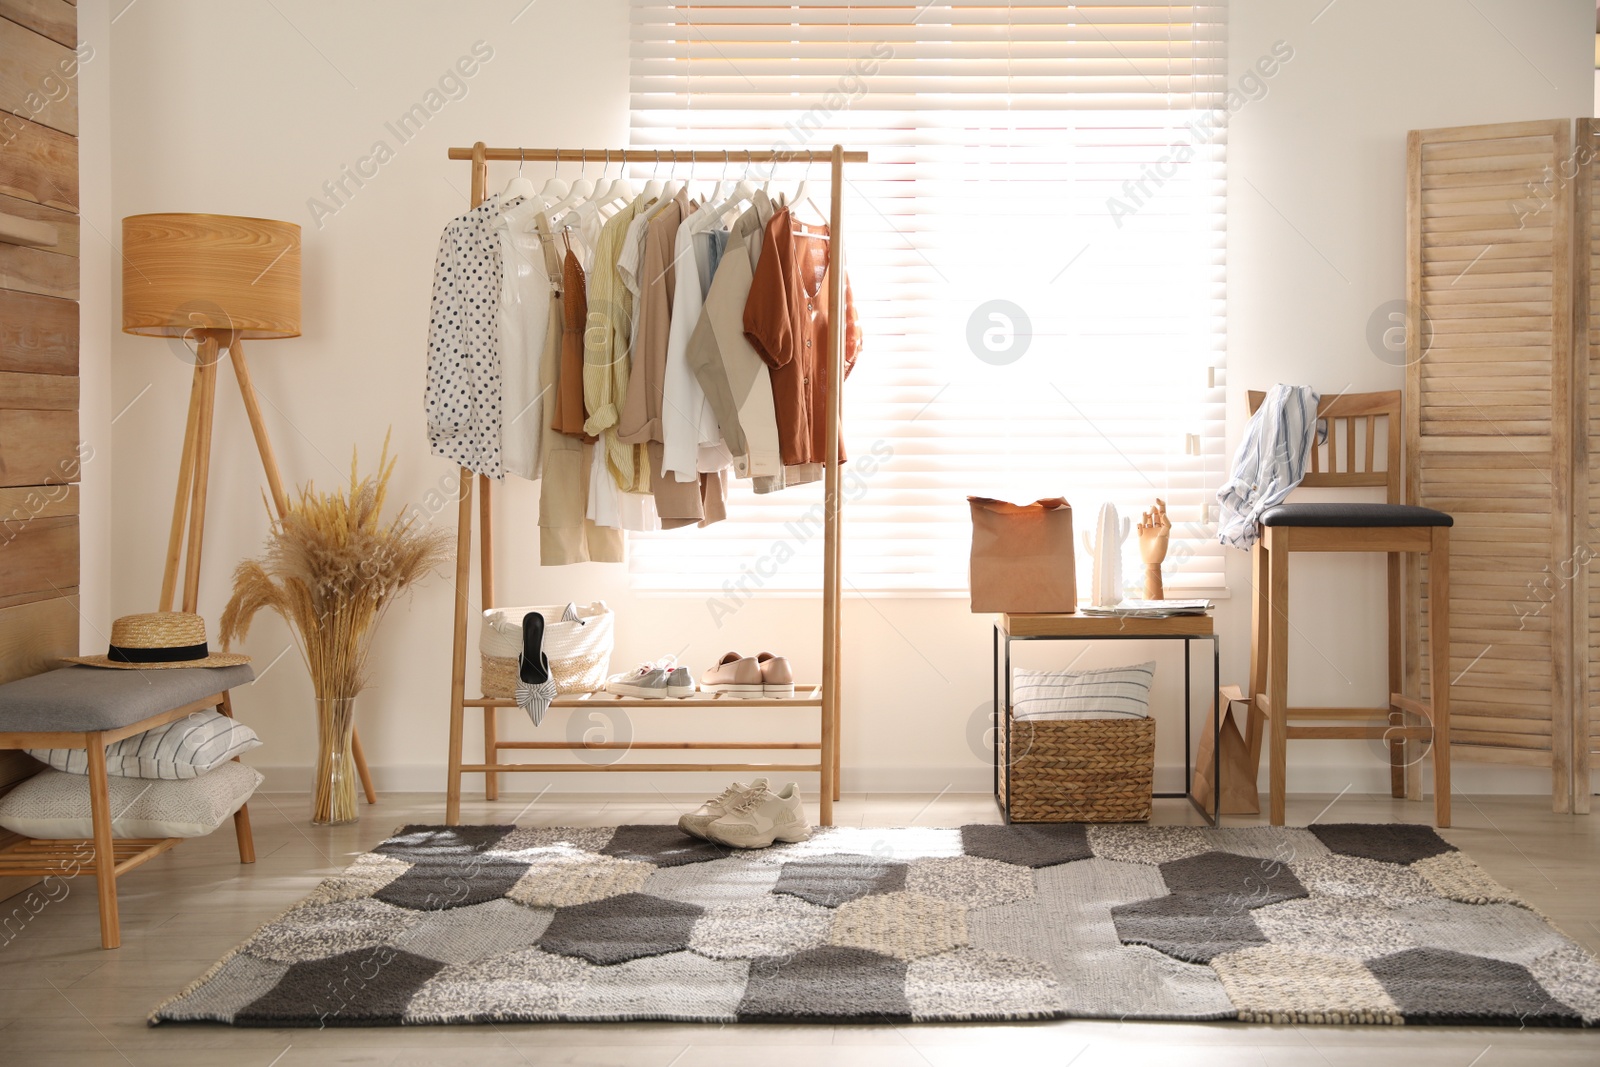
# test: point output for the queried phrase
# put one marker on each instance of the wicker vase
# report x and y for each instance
(334, 795)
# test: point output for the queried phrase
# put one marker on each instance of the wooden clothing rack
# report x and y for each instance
(824, 697)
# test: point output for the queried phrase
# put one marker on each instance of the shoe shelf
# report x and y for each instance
(805, 696)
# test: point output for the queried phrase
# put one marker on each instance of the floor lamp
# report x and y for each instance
(213, 282)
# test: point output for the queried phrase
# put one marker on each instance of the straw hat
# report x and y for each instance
(158, 640)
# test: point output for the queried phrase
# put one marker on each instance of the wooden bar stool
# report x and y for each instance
(1390, 527)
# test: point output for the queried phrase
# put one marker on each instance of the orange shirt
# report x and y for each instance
(786, 319)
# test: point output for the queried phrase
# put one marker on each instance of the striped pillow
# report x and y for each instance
(187, 748)
(1107, 693)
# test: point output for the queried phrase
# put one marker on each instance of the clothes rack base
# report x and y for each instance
(824, 696)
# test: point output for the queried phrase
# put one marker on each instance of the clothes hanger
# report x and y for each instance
(602, 189)
(555, 188)
(674, 186)
(653, 187)
(800, 197)
(522, 217)
(711, 207)
(743, 192)
(580, 189)
(518, 185)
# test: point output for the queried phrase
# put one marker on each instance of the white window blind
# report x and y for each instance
(1037, 250)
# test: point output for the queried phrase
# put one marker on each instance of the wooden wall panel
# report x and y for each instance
(65, 223)
(38, 447)
(38, 163)
(40, 560)
(39, 450)
(37, 270)
(1489, 429)
(38, 334)
(35, 638)
(42, 392)
(35, 78)
(55, 19)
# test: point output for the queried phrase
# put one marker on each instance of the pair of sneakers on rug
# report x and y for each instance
(749, 815)
(653, 681)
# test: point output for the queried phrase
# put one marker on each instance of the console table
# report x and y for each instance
(1185, 628)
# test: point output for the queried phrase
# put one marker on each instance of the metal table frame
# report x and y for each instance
(1002, 710)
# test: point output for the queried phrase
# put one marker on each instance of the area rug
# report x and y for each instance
(1348, 923)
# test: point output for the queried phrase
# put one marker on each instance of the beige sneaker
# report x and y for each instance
(695, 822)
(761, 818)
(733, 674)
(777, 680)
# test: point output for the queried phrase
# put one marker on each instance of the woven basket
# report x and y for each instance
(1079, 770)
(582, 675)
(579, 654)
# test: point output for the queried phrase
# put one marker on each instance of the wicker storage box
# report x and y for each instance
(1078, 770)
(580, 652)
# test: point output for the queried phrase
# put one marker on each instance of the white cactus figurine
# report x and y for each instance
(1106, 551)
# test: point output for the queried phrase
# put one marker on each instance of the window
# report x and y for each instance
(1037, 249)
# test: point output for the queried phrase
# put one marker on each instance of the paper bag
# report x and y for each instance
(1022, 557)
(1239, 793)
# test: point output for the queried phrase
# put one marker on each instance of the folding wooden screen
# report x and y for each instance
(1494, 215)
(1586, 482)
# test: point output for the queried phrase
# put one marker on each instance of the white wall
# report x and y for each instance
(238, 109)
(98, 319)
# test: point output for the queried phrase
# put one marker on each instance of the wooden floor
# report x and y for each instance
(65, 1001)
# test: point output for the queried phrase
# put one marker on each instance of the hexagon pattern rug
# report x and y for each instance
(1329, 924)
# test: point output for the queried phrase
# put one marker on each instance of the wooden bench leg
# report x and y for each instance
(241, 830)
(105, 859)
(241, 818)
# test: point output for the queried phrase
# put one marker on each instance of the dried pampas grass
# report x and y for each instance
(332, 567)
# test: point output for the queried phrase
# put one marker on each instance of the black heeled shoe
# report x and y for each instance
(536, 688)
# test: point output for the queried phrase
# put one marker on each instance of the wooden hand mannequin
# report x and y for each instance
(1154, 530)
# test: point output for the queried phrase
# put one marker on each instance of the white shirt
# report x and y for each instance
(524, 313)
(687, 422)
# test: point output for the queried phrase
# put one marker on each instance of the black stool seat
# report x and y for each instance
(1341, 514)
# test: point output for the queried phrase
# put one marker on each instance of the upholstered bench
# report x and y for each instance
(90, 708)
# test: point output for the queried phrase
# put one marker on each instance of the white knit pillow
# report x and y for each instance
(187, 748)
(55, 805)
(1107, 693)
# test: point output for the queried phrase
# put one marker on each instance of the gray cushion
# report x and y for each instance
(1346, 515)
(80, 699)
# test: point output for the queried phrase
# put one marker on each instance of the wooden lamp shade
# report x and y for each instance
(187, 272)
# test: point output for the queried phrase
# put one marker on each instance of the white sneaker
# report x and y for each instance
(653, 681)
(645, 680)
(695, 822)
(761, 818)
